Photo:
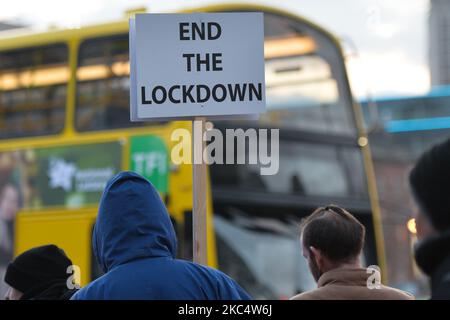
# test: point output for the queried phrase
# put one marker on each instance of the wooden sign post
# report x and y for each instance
(193, 66)
(199, 201)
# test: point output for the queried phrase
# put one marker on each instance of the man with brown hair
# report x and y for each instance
(332, 242)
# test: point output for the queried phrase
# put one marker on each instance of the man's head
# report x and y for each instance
(35, 270)
(331, 238)
(429, 181)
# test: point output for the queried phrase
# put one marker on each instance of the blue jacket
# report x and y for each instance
(135, 244)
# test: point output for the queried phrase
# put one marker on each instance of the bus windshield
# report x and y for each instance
(305, 79)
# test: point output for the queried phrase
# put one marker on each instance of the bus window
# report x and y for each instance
(305, 79)
(33, 91)
(103, 84)
(301, 92)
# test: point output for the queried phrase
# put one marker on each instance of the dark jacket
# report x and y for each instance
(433, 257)
(350, 284)
(135, 244)
(55, 290)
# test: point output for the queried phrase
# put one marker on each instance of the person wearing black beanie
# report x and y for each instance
(430, 186)
(40, 273)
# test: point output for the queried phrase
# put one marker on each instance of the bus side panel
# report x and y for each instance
(70, 231)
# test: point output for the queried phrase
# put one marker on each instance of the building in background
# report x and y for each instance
(439, 42)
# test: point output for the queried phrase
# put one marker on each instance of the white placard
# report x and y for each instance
(199, 64)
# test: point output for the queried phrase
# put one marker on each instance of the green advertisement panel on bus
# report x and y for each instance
(70, 176)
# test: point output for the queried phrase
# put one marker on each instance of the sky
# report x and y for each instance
(385, 41)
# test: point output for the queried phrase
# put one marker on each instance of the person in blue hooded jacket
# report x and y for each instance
(135, 244)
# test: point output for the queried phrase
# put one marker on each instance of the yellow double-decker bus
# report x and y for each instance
(65, 130)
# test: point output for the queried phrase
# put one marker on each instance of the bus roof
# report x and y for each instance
(29, 37)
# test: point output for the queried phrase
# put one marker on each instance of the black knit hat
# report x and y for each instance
(430, 184)
(37, 267)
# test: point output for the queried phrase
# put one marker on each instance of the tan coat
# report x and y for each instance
(350, 284)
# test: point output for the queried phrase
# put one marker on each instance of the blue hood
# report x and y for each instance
(132, 223)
